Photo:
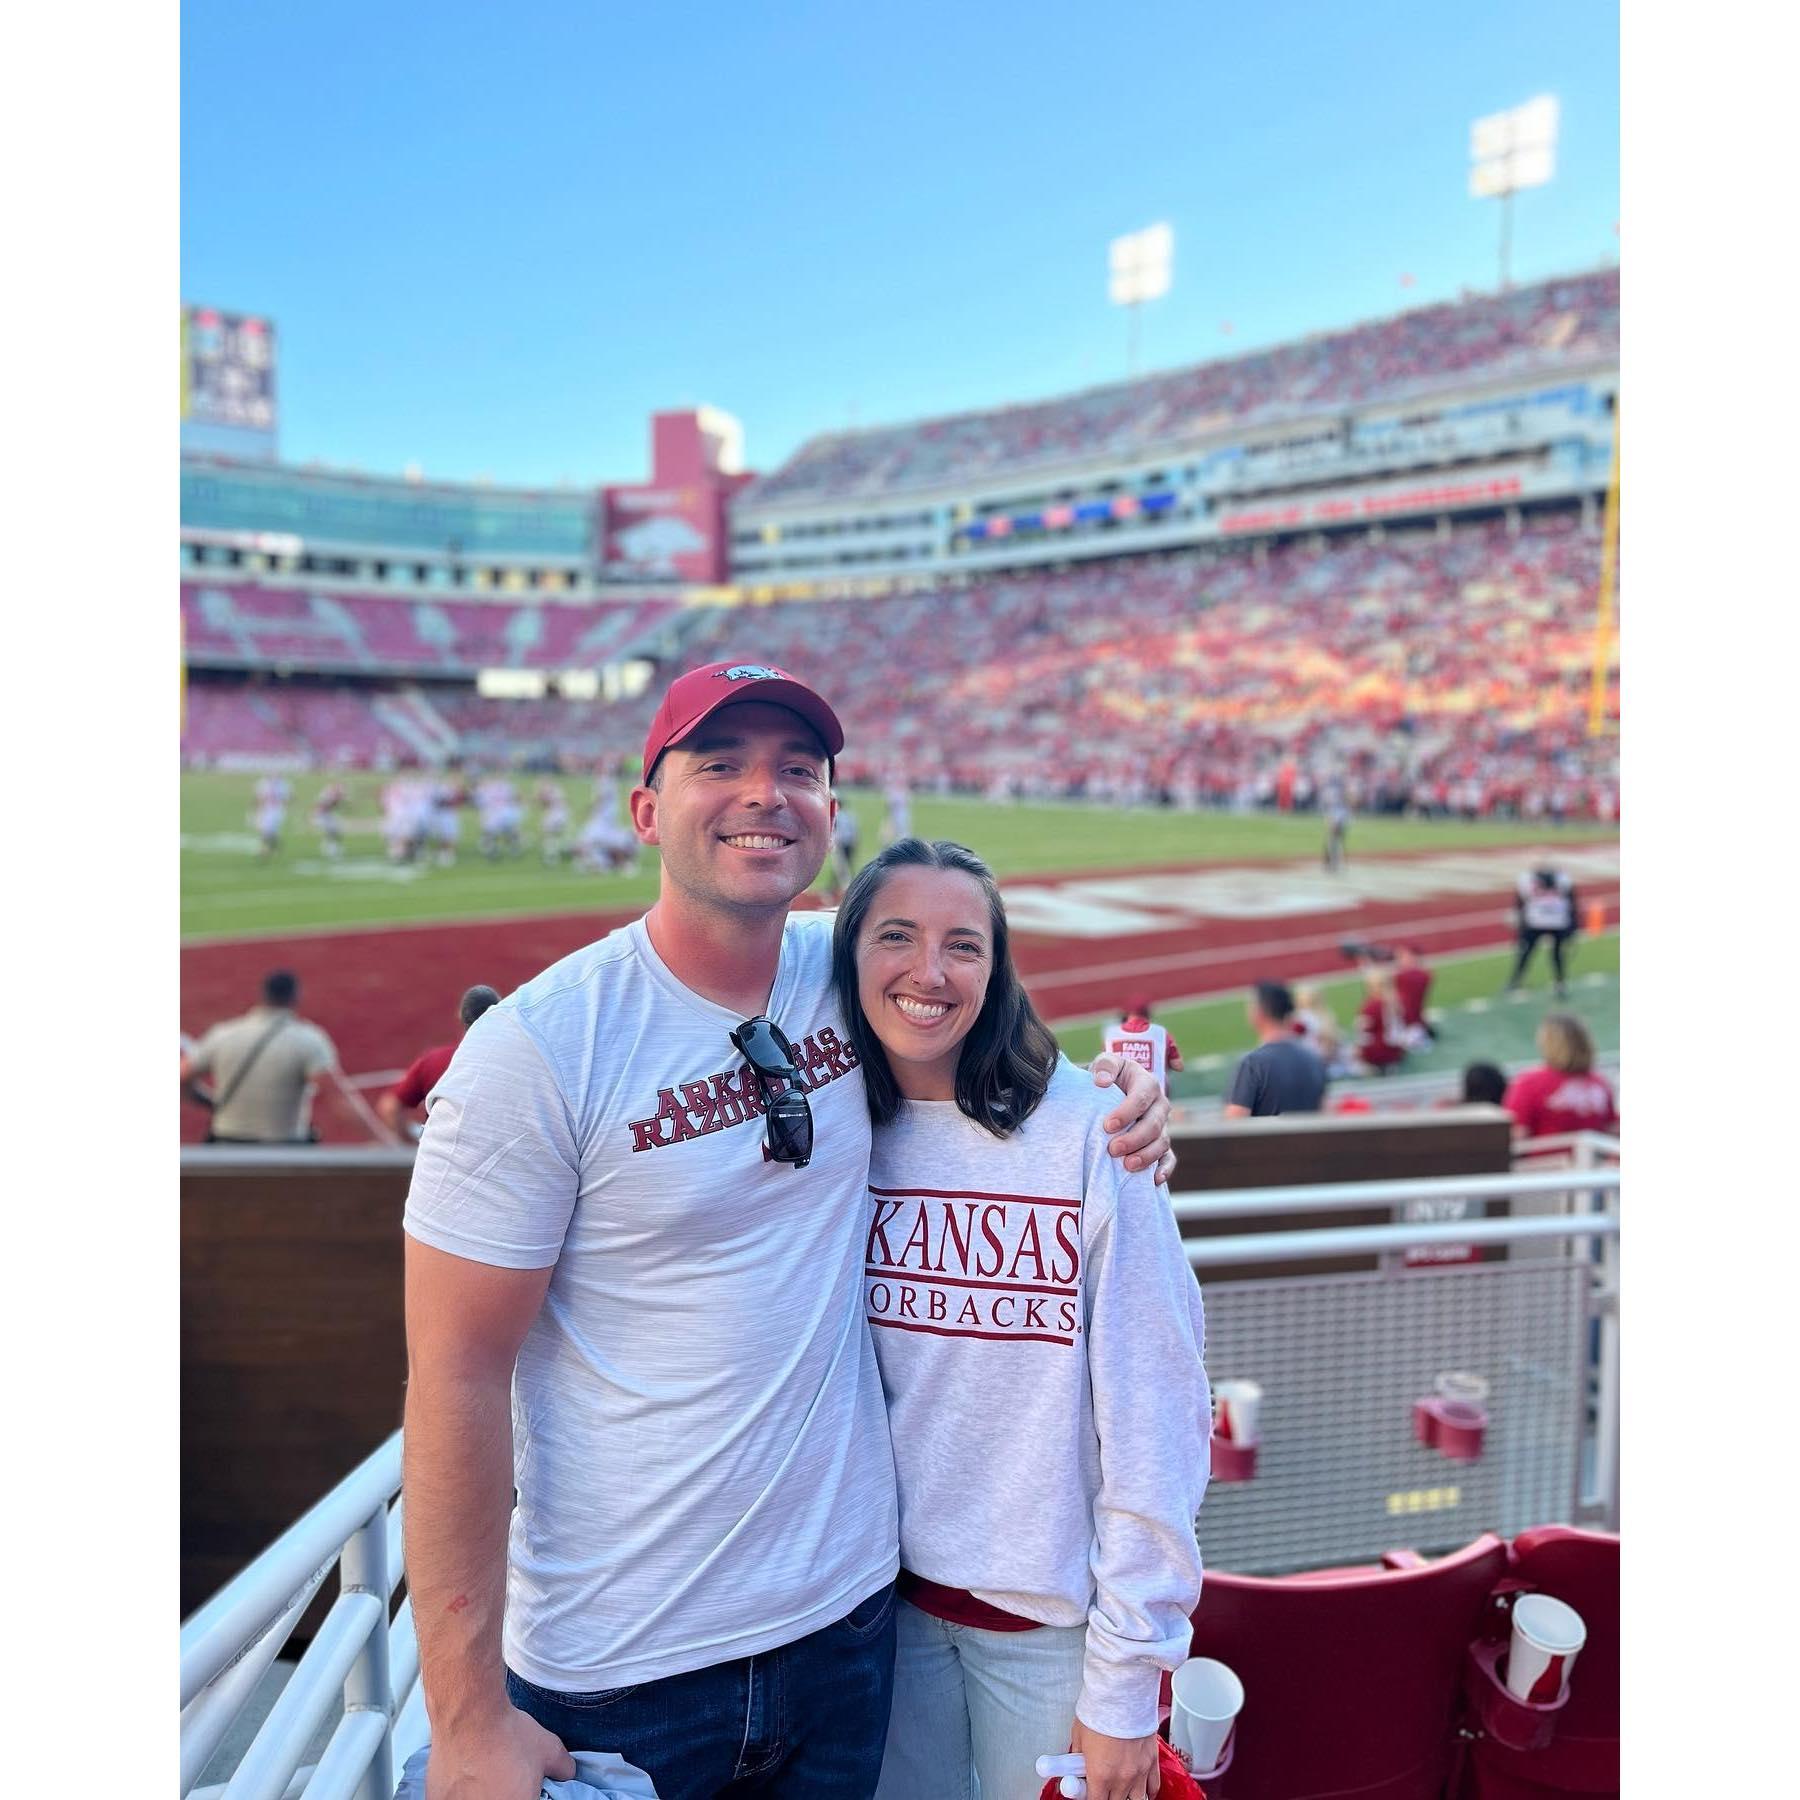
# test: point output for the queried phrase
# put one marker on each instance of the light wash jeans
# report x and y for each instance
(971, 1703)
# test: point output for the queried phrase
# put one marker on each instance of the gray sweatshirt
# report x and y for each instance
(1039, 1334)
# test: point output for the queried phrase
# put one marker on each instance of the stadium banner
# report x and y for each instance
(668, 533)
(227, 378)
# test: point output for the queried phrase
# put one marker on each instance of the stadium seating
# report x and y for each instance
(247, 623)
(1580, 1568)
(1534, 326)
(1444, 672)
(1351, 1677)
(1451, 673)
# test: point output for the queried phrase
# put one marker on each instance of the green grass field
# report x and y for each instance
(227, 891)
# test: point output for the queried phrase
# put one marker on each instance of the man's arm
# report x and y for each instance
(191, 1074)
(1141, 1119)
(465, 1322)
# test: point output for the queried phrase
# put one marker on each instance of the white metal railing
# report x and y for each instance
(1599, 1187)
(356, 1657)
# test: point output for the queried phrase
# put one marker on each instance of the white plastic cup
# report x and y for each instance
(1458, 1384)
(1207, 1700)
(1547, 1636)
(1241, 1403)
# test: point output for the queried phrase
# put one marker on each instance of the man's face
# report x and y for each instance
(743, 815)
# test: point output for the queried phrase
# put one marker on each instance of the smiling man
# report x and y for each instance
(634, 1290)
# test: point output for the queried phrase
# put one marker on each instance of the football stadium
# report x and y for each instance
(1295, 667)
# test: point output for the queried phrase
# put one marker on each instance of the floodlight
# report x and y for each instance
(1512, 150)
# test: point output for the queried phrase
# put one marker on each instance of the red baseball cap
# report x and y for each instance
(700, 693)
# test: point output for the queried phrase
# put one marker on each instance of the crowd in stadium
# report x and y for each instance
(1448, 673)
(1382, 360)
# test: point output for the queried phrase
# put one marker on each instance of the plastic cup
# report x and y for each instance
(1207, 1699)
(1458, 1384)
(1547, 1636)
(1240, 1405)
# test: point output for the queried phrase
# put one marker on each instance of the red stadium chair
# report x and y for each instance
(1351, 1677)
(1580, 1568)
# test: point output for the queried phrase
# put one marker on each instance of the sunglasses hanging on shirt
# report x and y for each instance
(787, 1113)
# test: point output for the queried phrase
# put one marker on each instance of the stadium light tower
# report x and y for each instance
(1509, 151)
(1140, 266)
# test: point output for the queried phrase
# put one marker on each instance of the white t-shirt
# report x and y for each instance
(700, 1446)
(1547, 909)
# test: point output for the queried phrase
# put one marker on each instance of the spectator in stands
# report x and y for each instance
(1565, 1094)
(264, 1067)
(609, 1203)
(1380, 1045)
(1281, 1075)
(410, 1091)
(1412, 987)
(1484, 1084)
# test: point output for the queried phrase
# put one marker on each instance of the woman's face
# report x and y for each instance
(923, 958)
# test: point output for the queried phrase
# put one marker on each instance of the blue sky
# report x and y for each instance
(495, 239)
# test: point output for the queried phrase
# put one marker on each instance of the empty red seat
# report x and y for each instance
(1352, 1677)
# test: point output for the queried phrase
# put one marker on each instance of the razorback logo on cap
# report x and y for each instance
(750, 672)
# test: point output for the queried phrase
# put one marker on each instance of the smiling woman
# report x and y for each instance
(1010, 1256)
(934, 1005)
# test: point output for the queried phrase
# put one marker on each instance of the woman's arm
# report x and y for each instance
(1153, 1414)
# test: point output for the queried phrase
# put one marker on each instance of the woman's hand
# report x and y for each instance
(1141, 1119)
(1117, 1768)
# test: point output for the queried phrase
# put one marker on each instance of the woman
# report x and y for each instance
(1565, 1094)
(1380, 1045)
(1039, 1334)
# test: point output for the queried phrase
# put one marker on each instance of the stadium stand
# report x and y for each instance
(1504, 334)
(1192, 676)
(1198, 674)
(248, 625)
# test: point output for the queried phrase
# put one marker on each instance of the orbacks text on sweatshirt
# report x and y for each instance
(1040, 1336)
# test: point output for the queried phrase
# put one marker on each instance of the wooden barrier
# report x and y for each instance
(1331, 1147)
(293, 1355)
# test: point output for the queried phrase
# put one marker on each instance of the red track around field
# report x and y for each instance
(385, 995)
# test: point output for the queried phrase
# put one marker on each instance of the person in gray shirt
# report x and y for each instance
(264, 1067)
(1281, 1075)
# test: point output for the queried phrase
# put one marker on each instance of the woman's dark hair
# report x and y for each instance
(1008, 1057)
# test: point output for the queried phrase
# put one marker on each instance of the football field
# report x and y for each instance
(1107, 904)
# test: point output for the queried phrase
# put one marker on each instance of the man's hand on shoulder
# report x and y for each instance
(1140, 1120)
(507, 1757)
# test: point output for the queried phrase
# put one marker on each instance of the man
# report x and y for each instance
(264, 1068)
(640, 1208)
(271, 813)
(1280, 1075)
(328, 819)
(427, 1069)
(844, 836)
(1546, 908)
(1337, 826)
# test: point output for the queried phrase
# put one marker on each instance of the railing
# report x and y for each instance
(1576, 1204)
(231, 1642)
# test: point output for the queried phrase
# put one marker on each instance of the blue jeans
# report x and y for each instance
(973, 1705)
(809, 1719)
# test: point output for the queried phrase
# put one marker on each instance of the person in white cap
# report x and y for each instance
(635, 1242)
